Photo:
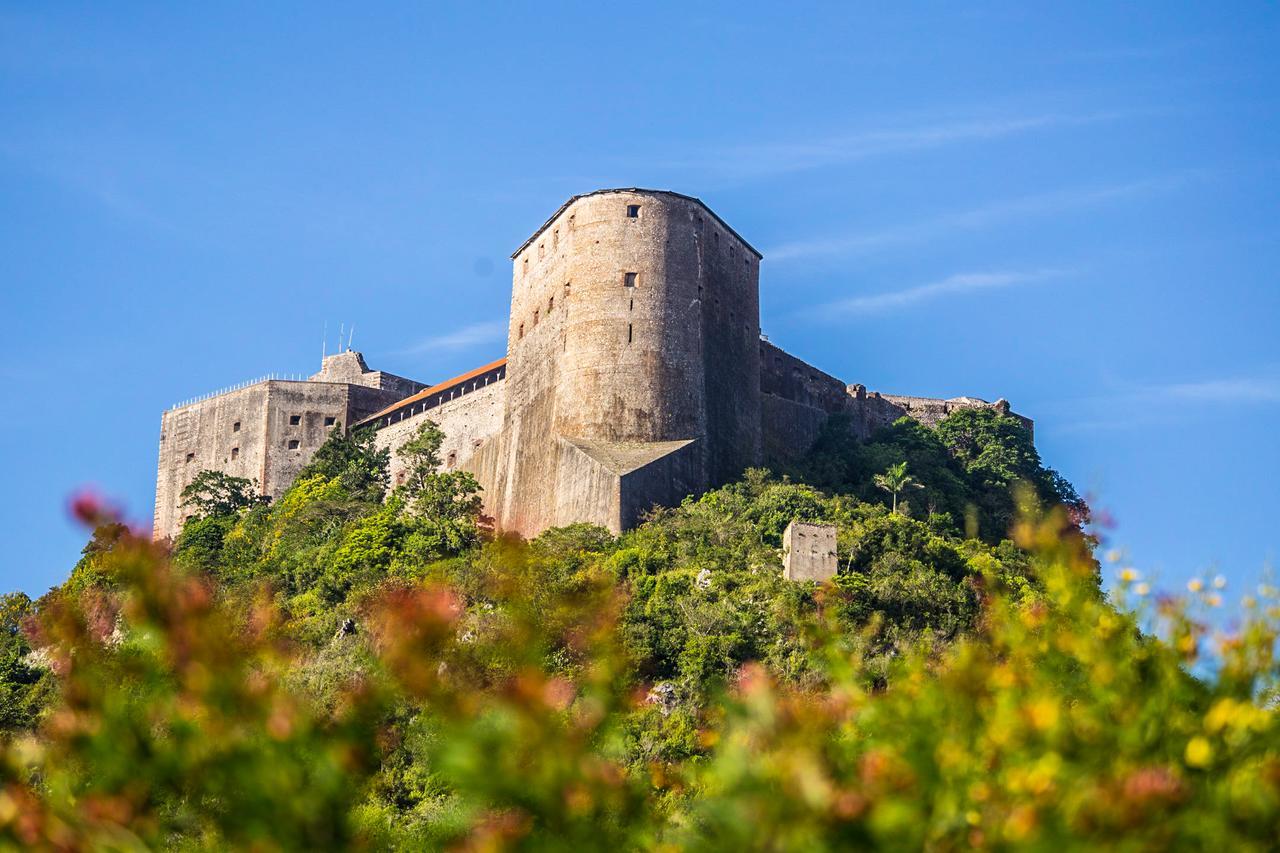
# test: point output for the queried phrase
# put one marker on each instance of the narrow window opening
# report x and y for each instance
(628, 333)
(535, 316)
(633, 211)
(521, 335)
(235, 427)
(294, 444)
(566, 290)
(632, 306)
(235, 453)
(330, 421)
(294, 420)
(542, 247)
(452, 458)
(629, 279)
(571, 222)
(551, 304)
(525, 268)
(191, 457)
(555, 239)
(717, 238)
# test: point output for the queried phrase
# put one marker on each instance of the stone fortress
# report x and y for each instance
(635, 375)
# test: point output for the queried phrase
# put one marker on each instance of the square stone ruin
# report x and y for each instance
(809, 552)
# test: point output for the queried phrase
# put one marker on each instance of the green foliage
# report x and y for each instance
(87, 572)
(213, 494)
(353, 460)
(662, 689)
(969, 468)
(25, 686)
(894, 480)
(336, 670)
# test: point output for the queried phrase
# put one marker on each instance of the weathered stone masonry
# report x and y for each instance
(635, 375)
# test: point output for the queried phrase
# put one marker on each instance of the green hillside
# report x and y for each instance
(353, 666)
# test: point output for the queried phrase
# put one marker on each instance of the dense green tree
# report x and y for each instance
(968, 468)
(446, 501)
(88, 571)
(25, 687)
(353, 460)
(216, 494)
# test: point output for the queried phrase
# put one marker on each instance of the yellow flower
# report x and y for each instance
(1219, 716)
(1199, 753)
(1129, 575)
(1142, 589)
(1195, 584)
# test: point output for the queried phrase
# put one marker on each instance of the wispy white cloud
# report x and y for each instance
(1239, 389)
(459, 339)
(761, 159)
(1040, 204)
(952, 285)
(1142, 406)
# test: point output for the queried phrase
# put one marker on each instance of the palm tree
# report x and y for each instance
(894, 480)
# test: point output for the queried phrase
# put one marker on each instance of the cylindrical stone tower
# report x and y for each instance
(634, 320)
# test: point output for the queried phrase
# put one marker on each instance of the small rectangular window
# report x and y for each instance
(235, 453)
(535, 317)
(294, 444)
(235, 427)
(521, 333)
(191, 457)
(633, 211)
(330, 421)
(629, 279)
(294, 420)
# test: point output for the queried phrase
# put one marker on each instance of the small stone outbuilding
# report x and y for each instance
(809, 552)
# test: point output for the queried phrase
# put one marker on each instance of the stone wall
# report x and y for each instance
(224, 433)
(265, 432)
(785, 376)
(797, 399)
(468, 421)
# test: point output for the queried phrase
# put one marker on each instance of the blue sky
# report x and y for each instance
(1075, 209)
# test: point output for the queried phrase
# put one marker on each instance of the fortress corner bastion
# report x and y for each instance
(635, 374)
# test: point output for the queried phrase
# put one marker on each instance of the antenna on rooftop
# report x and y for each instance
(351, 334)
(342, 331)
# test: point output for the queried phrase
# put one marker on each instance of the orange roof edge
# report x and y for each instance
(434, 389)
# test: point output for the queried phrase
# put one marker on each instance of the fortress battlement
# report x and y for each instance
(635, 375)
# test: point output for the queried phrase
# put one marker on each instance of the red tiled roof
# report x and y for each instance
(436, 389)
